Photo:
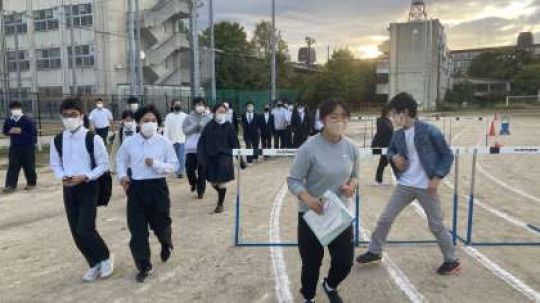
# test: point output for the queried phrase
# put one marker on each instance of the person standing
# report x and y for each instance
(193, 127)
(215, 147)
(317, 124)
(290, 109)
(71, 162)
(421, 158)
(300, 125)
(174, 131)
(326, 162)
(251, 127)
(133, 104)
(382, 138)
(280, 114)
(128, 128)
(151, 157)
(22, 133)
(101, 119)
(267, 128)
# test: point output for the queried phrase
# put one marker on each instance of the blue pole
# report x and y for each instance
(357, 223)
(456, 199)
(471, 199)
(237, 222)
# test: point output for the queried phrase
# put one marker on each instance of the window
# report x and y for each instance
(84, 56)
(80, 15)
(45, 20)
(50, 91)
(48, 58)
(82, 90)
(15, 22)
(21, 59)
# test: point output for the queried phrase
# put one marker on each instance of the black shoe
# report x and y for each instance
(166, 252)
(449, 268)
(219, 209)
(200, 196)
(369, 258)
(180, 176)
(144, 274)
(193, 188)
(9, 190)
(333, 296)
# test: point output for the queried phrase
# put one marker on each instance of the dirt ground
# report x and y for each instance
(39, 261)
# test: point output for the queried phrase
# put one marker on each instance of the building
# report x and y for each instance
(55, 47)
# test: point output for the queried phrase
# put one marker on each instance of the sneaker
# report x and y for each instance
(449, 268)
(166, 252)
(106, 267)
(30, 187)
(333, 296)
(369, 258)
(180, 176)
(200, 196)
(377, 183)
(144, 274)
(309, 300)
(218, 209)
(92, 274)
(8, 190)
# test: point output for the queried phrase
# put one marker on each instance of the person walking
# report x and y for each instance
(101, 120)
(22, 133)
(326, 162)
(385, 130)
(174, 131)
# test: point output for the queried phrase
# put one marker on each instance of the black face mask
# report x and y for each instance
(177, 108)
(266, 109)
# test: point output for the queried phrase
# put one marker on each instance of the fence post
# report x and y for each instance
(471, 199)
(237, 221)
(456, 198)
(357, 222)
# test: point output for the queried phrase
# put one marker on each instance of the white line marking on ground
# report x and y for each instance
(397, 275)
(281, 279)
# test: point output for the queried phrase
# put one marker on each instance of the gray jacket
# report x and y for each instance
(193, 126)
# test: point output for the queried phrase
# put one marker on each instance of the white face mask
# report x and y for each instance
(99, 105)
(131, 126)
(134, 107)
(71, 124)
(221, 118)
(16, 113)
(335, 128)
(199, 109)
(148, 129)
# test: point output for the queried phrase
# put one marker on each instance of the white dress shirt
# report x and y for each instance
(249, 117)
(75, 158)
(101, 118)
(136, 149)
(173, 127)
(266, 117)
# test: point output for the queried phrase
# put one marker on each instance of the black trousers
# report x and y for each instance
(103, 133)
(299, 138)
(312, 253)
(80, 203)
(196, 173)
(21, 157)
(252, 141)
(266, 141)
(148, 205)
(280, 139)
(383, 162)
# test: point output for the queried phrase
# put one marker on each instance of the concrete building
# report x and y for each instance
(44, 39)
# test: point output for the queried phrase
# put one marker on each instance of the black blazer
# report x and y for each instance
(299, 125)
(267, 129)
(251, 129)
(385, 130)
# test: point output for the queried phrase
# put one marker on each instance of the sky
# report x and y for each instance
(361, 25)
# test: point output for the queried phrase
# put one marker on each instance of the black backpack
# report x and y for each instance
(105, 181)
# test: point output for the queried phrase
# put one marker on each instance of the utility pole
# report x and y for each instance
(17, 58)
(328, 53)
(73, 51)
(140, 76)
(194, 45)
(212, 53)
(310, 41)
(135, 68)
(273, 45)
(4, 67)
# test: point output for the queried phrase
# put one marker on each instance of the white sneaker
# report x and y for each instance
(106, 267)
(92, 274)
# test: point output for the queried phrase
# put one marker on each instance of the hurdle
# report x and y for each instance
(239, 241)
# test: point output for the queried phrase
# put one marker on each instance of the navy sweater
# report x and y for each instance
(28, 135)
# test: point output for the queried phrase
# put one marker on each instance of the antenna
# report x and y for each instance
(418, 11)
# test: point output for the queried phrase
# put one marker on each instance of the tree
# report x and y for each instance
(527, 81)
(499, 64)
(460, 93)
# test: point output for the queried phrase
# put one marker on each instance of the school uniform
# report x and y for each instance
(252, 137)
(281, 121)
(101, 119)
(148, 193)
(382, 138)
(22, 151)
(174, 132)
(120, 136)
(80, 201)
(193, 126)
(301, 125)
(267, 129)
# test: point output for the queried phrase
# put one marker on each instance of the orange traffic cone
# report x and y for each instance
(492, 131)
(496, 117)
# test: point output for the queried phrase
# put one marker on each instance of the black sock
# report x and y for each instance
(221, 196)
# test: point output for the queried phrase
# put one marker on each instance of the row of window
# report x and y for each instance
(78, 15)
(50, 58)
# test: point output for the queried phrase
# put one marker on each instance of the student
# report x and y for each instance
(327, 161)
(74, 168)
(267, 128)
(151, 157)
(281, 124)
(300, 125)
(175, 133)
(193, 126)
(231, 116)
(382, 138)
(128, 128)
(101, 119)
(421, 159)
(317, 124)
(217, 141)
(133, 104)
(22, 133)
(288, 142)
(251, 127)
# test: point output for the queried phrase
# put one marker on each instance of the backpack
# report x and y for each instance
(104, 181)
